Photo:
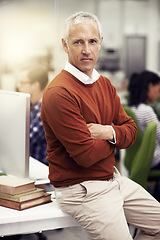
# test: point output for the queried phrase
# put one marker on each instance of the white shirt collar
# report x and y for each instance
(80, 75)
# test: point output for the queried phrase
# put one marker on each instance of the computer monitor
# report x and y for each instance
(14, 133)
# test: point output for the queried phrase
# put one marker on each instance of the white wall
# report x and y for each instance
(43, 21)
(153, 34)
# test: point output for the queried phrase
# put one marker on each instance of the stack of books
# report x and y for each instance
(20, 193)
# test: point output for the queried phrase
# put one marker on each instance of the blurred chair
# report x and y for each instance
(132, 150)
(139, 156)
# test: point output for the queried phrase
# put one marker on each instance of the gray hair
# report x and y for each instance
(80, 17)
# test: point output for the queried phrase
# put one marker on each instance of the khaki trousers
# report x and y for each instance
(105, 208)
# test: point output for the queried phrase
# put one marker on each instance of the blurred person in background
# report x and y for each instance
(144, 89)
(33, 80)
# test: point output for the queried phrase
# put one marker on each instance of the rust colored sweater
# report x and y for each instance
(67, 106)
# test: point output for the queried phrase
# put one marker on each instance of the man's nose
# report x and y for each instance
(86, 49)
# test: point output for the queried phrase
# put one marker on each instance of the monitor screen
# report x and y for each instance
(14, 133)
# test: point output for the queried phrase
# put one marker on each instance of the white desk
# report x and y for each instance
(44, 217)
(36, 219)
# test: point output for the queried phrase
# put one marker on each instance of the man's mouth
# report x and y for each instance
(86, 59)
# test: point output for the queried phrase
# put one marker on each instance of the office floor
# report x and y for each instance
(63, 234)
(74, 233)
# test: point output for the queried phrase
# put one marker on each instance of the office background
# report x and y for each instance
(31, 30)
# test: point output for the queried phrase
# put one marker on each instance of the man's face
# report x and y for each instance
(83, 46)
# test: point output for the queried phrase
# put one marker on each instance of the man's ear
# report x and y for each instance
(65, 46)
(100, 44)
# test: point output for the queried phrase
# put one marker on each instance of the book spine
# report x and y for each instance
(27, 204)
(23, 196)
(10, 204)
(4, 189)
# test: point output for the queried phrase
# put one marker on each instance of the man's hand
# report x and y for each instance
(98, 131)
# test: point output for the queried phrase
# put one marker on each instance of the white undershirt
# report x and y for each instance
(80, 75)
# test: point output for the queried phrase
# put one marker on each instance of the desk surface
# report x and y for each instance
(40, 218)
(36, 219)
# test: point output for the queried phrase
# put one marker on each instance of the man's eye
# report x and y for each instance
(78, 42)
(93, 41)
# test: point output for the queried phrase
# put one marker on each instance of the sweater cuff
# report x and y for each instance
(114, 136)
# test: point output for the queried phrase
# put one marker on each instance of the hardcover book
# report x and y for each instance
(37, 192)
(26, 204)
(15, 185)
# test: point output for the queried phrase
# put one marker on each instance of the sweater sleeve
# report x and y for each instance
(63, 115)
(123, 125)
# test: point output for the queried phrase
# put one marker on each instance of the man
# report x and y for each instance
(84, 121)
(33, 80)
